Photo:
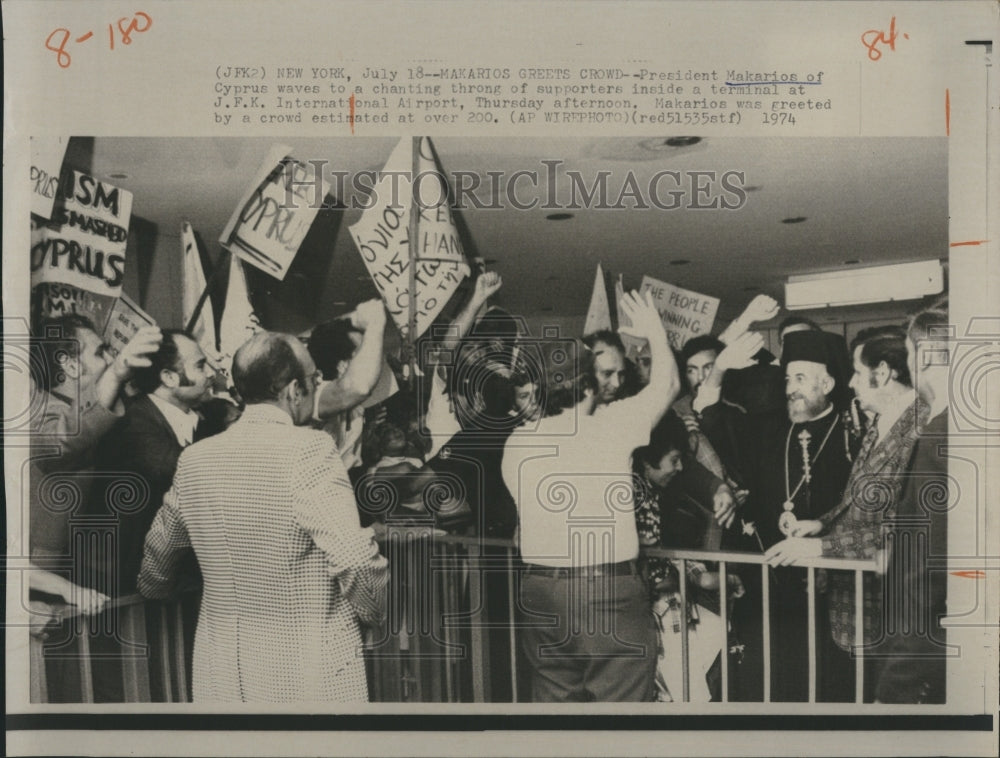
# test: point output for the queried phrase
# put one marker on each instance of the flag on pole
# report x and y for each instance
(193, 285)
(239, 321)
(382, 237)
(599, 312)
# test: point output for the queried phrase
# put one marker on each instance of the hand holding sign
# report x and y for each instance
(135, 354)
(739, 354)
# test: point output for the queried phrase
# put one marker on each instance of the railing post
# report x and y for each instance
(37, 672)
(180, 651)
(859, 637)
(685, 649)
(164, 663)
(478, 641)
(765, 593)
(811, 616)
(86, 670)
(512, 623)
(135, 668)
(723, 612)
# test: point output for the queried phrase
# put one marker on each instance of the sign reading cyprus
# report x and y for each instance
(685, 314)
(274, 215)
(84, 245)
(382, 237)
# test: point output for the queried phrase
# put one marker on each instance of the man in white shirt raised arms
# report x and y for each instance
(573, 487)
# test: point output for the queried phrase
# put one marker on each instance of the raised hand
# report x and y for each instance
(761, 308)
(645, 319)
(368, 314)
(135, 354)
(487, 284)
(740, 352)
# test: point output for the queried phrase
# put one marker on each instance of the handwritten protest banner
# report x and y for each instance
(685, 314)
(53, 299)
(599, 311)
(47, 155)
(274, 215)
(382, 238)
(85, 244)
(125, 320)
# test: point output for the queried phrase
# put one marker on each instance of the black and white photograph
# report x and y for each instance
(418, 396)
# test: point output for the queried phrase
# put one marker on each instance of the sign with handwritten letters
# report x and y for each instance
(275, 214)
(85, 244)
(55, 299)
(47, 155)
(685, 314)
(382, 237)
(125, 320)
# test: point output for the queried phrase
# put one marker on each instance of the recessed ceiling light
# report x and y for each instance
(793, 220)
(681, 141)
(559, 216)
(852, 262)
(679, 262)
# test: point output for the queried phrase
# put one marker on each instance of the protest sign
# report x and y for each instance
(275, 214)
(685, 314)
(85, 245)
(47, 155)
(125, 320)
(599, 311)
(54, 299)
(383, 240)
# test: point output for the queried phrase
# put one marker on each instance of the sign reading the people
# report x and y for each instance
(275, 214)
(382, 237)
(126, 319)
(46, 164)
(685, 314)
(84, 246)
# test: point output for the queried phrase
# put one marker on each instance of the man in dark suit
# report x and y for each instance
(136, 461)
(139, 455)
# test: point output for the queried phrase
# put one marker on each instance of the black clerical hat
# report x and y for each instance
(822, 347)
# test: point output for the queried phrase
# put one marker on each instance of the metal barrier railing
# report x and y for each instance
(450, 635)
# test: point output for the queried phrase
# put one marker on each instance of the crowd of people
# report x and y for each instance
(273, 494)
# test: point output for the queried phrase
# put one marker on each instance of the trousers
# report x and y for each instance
(588, 637)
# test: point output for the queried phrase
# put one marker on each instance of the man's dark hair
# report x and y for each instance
(930, 322)
(669, 434)
(884, 343)
(797, 321)
(700, 344)
(330, 343)
(58, 339)
(264, 366)
(147, 379)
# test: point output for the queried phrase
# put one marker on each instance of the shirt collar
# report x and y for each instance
(182, 422)
(266, 412)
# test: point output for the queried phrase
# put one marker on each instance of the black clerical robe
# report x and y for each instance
(776, 477)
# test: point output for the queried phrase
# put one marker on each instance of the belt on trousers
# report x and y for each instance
(625, 568)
